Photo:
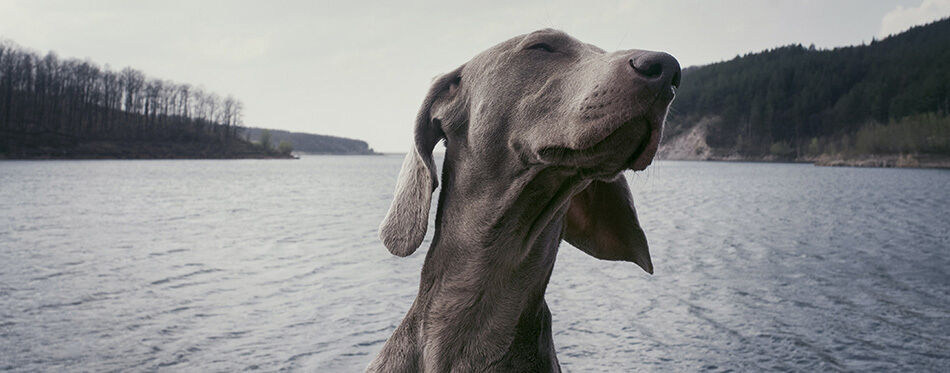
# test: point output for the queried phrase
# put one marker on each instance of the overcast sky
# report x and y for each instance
(360, 69)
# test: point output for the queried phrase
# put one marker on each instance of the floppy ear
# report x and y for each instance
(404, 226)
(602, 222)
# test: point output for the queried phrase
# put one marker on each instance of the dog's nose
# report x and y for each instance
(657, 67)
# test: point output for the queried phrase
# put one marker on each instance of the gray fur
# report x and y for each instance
(538, 130)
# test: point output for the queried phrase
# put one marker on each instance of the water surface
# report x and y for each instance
(275, 265)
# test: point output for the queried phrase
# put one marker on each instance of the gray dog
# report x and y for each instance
(537, 130)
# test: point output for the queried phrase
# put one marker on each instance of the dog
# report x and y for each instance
(537, 131)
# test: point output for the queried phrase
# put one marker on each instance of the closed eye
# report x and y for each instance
(545, 47)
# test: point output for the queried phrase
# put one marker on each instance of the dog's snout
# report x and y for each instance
(656, 67)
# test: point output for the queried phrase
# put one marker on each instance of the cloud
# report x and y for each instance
(900, 19)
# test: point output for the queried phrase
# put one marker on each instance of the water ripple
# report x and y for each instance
(275, 266)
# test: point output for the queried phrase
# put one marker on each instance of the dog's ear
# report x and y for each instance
(404, 226)
(602, 222)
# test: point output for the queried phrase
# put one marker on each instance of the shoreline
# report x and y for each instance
(118, 150)
(886, 161)
(870, 161)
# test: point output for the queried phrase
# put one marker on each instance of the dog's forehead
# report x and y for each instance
(501, 51)
(549, 36)
(548, 32)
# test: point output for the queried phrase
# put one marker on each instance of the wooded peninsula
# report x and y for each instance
(51, 108)
(882, 104)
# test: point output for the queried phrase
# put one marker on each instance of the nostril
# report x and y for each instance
(657, 68)
(649, 69)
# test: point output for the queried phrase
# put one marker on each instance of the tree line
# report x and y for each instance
(793, 100)
(78, 98)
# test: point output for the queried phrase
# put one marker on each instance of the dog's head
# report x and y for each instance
(546, 100)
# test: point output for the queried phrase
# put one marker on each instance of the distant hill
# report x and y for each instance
(313, 144)
(886, 100)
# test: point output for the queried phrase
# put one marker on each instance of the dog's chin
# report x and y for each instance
(632, 146)
(647, 151)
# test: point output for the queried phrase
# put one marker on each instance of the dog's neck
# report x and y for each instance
(481, 297)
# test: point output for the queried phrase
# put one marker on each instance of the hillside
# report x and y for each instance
(313, 144)
(874, 104)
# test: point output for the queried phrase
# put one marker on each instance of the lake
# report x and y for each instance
(221, 266)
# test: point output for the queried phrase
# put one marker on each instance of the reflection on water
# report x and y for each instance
(234, 265)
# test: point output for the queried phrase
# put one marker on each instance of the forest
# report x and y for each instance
(50, 105)
(891, 96)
